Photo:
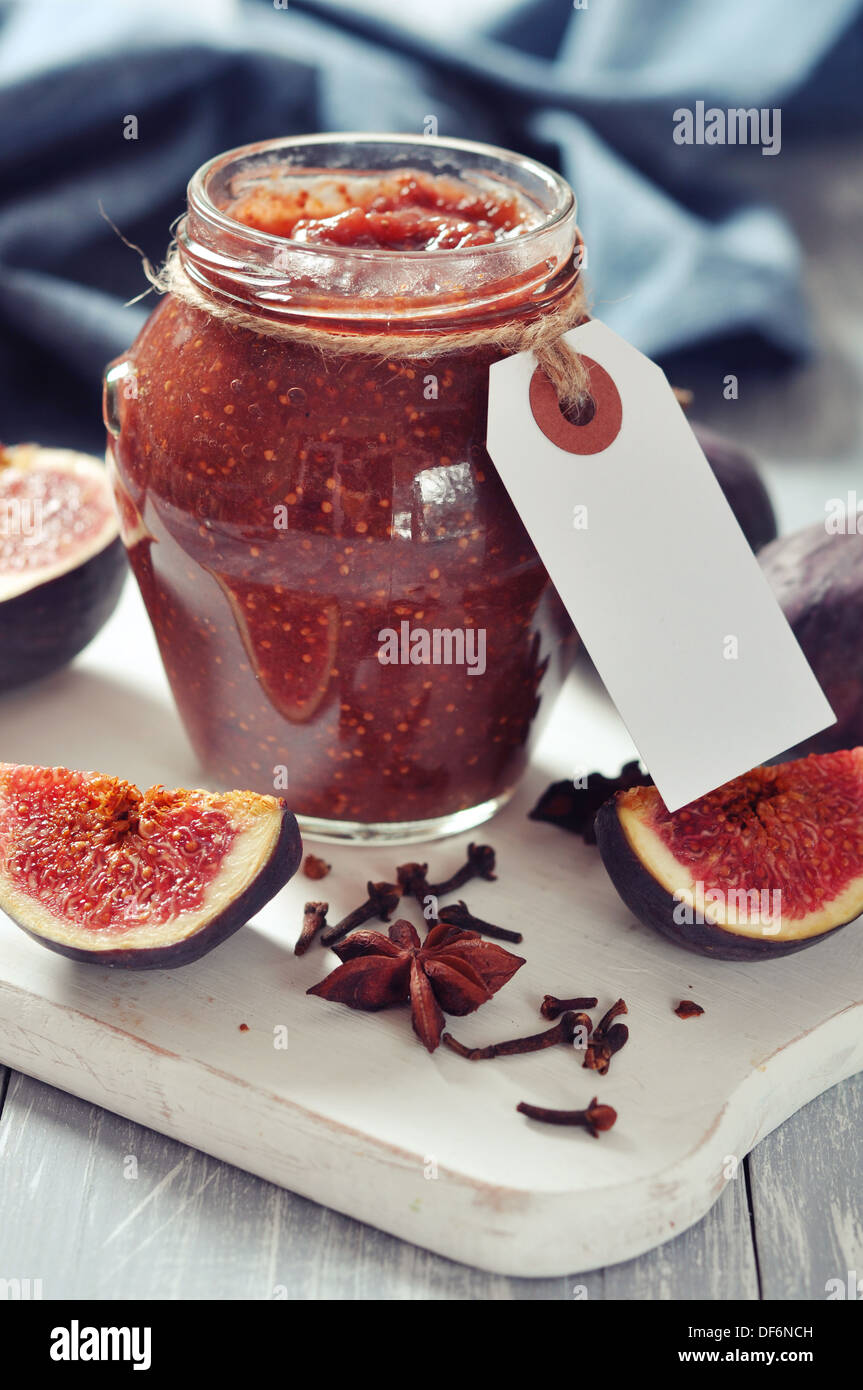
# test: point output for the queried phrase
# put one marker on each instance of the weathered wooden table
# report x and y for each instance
(192, 1227)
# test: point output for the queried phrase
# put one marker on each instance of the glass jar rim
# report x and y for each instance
(285, 279)
(200, 201)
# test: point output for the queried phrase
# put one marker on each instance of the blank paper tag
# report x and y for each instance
(656, 574)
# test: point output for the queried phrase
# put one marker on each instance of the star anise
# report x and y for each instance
(451, 971)
(574, 808)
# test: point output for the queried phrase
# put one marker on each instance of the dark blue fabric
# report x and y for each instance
(676, 260)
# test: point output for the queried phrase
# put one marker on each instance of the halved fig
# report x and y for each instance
(764, 866)
(62, 563)
(104, 873)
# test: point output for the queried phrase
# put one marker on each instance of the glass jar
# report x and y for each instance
(348, 607)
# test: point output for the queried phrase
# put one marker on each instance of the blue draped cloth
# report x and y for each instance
(679, 258)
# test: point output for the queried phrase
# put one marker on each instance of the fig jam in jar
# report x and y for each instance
(348, 607)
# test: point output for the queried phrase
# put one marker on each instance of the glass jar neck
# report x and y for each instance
(404, 292)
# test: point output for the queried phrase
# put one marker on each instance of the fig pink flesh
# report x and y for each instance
(94, 867)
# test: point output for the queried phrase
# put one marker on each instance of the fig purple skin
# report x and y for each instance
(44, 628)
(62, 563)
(744, 490)
(818, 579)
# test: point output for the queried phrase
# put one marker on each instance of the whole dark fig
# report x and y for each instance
(744, 490)
(817, 576)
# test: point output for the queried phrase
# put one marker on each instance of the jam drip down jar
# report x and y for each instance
(347, 605)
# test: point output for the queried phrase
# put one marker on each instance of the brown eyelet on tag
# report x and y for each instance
(598, 433)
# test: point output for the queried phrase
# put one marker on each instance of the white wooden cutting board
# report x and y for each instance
(354, 1113)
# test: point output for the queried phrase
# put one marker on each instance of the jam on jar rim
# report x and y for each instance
(402, 209)
(323, 281)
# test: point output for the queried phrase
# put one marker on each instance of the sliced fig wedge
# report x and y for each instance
(104, 873)
(767, 864)
(62, 563)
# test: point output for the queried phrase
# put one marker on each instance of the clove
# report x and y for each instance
(480, 864)
(552, 1007)
(607, 1039)
(563, 1032)
(314, 917)
(382, 900)
(594, 1119)
(414, 884)
(457, 915)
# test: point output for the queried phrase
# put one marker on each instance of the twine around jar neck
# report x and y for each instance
(542, 335)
